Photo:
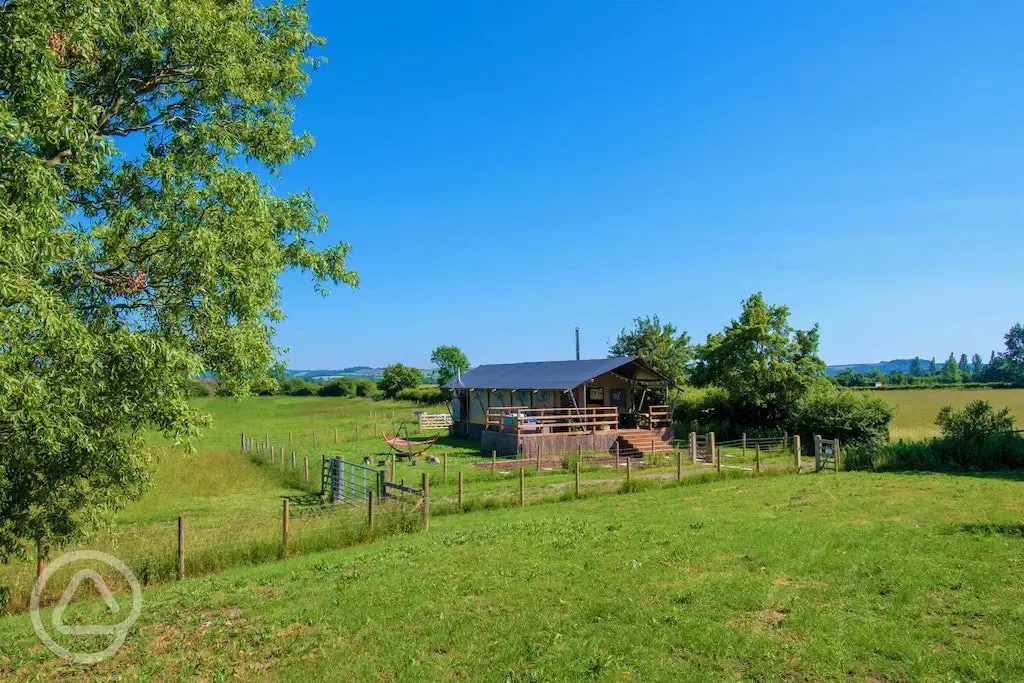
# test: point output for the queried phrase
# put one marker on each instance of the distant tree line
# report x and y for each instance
(1002, 368)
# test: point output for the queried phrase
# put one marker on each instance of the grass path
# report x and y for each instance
(812, 577)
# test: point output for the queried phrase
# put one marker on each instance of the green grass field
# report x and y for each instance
(810, 577)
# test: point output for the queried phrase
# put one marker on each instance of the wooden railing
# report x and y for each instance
(520, 420)
(660, 416)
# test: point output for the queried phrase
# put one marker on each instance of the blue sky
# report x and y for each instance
(508, 171)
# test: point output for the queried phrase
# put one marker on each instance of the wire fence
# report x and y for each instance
(197, 542)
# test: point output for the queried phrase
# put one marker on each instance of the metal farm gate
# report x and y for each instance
(348, 482)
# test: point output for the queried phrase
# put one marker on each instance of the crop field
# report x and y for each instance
(916, 408)
(809, 577)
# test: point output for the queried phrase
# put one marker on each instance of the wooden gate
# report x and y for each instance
(826, 454)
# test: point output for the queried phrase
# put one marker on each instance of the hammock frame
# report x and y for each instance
(407, 448)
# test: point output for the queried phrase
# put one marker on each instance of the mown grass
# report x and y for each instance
(916, 410)
(812, 577)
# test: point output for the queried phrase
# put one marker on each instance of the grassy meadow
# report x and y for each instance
(850, 576)
(916, 409)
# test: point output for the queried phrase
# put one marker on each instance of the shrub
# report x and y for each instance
(854, 417)
(366, 388)
(978, 437)
(343, 386)
(296, 386)
(428, 394)
(200, 387)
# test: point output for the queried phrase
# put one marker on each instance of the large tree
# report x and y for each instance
(397, 377)
(140, 242)
(763, 363)
(661, 346)
(450, 360)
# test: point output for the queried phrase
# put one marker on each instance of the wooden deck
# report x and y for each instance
(595, 428)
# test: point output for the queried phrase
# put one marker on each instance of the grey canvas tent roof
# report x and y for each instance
(554, 375)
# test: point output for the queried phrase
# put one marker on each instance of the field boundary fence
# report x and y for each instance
(372, 506)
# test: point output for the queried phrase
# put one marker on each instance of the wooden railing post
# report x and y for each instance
(835, 446)
(693, 447)
(817, 452)
(744, 446)
(757, 459)
(494, 460)
(796, 451)
(679, 465)
(628, 477)
(713, 451)
(305, 468)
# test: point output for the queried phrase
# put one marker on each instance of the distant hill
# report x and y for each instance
(356, 372)
(886, 367)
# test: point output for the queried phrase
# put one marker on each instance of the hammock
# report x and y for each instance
(407, 447)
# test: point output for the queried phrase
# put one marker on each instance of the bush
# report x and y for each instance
(200, 387)
(853, 417)
(366, 388)
(707, 410)
(978, 437)
(343, 386)
(429, 394)
(296, 386)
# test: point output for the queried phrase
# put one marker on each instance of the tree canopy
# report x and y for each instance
(763, 363)
(661, 346)
(139, 241)
(397, 377)
(450, 360)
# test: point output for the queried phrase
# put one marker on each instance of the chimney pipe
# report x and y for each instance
(577, 343)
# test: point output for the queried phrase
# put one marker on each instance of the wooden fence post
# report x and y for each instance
(393, 458)
(796, 451)
(289, 438)
(285, 525)
(616, 456)
(335, 435)
(426, 502)
(718, 460)
(181, 547)
(460, 489)
(785, 439)
(293, 459)
(305, 467)
(628, 460)
(679, 465)
(578, 478)
(817, 452)
(744, 446)
(713, 451)
(494, 460)
(522, 486)
(369, 508)
(266, 442)
(693, 447)
(757, 459)
(241, 447)
(835, 445)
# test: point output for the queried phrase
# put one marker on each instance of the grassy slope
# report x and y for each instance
(860, 576)
(916, 409)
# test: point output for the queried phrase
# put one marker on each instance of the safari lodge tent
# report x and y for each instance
(555, 407)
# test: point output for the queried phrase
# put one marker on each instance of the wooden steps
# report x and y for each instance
(642, 441)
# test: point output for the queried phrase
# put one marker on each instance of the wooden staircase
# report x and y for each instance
(642, 441)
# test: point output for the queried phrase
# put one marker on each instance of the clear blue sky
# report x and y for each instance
(508, 171)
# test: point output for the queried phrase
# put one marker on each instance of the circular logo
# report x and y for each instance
(118, 631)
